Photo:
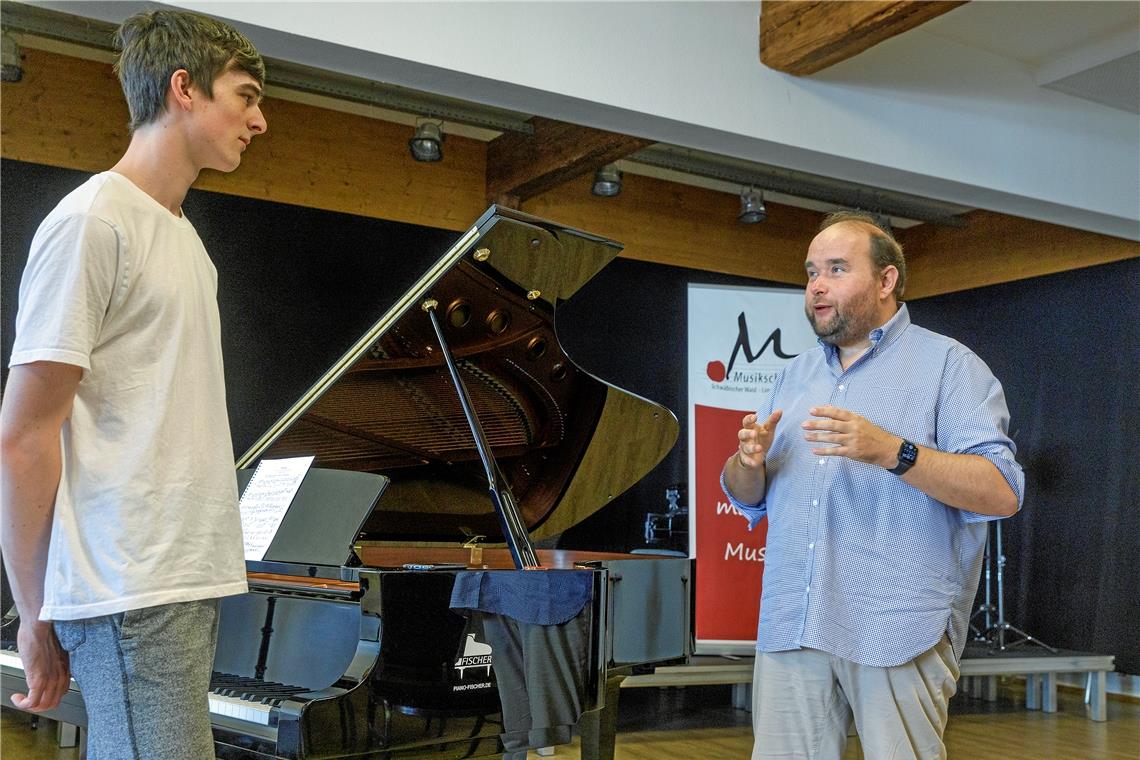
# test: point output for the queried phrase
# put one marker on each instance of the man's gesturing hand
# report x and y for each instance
(756, 439)
(851, 436)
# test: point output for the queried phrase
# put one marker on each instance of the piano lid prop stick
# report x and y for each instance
(514, 529)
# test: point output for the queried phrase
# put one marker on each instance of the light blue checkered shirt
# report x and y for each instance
(859, 563)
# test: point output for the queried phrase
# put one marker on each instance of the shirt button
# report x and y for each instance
(811, 546)
(815, 502)
(808, 588)
(841, 387)
(823, 461)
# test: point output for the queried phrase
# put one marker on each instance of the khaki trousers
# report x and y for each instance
(804, 700)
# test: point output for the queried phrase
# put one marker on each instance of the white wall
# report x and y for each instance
(919, 113)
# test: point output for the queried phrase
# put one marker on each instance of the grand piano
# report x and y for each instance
(402, 610)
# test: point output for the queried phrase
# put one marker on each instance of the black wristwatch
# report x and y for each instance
(908, 453)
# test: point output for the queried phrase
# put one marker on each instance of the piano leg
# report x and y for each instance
(599, 728)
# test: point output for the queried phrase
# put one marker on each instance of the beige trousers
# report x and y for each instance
(804, 700)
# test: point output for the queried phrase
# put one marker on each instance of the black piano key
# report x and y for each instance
(252, 689)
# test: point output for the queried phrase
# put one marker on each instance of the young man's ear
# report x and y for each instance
(179, 92)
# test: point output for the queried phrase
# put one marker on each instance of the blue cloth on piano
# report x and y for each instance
(538, 597)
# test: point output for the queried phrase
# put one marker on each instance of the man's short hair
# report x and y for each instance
(885, 250)
(154, 44)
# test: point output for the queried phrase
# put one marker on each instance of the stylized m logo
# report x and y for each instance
(743, 344)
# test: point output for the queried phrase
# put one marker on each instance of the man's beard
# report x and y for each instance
(849, 325)
(838, 330)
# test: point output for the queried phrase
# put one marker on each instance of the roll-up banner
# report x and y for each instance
(739, 339)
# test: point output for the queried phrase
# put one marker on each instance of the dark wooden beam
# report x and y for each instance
(522, 166)
(800, 37)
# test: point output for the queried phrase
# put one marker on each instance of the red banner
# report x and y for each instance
(729, 557)
(739, 340)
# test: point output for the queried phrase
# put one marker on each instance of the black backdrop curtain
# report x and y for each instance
(1067, 349)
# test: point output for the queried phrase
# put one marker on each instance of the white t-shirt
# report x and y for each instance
(146, 511)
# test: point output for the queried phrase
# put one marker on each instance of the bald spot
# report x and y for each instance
(852, 228)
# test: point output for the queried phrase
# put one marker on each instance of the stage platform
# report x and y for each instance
(980, 668)
(981, 665)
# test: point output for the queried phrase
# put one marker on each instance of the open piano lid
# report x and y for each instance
(567, 442)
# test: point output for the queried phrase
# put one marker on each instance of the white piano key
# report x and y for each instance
(240, 709)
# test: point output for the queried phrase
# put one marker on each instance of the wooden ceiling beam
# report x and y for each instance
(994, 248)
(519, 166)
(800, 37)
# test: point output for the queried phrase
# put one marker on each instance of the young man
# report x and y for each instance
(120, 522)
(878, 463)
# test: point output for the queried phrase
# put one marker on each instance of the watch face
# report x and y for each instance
(908, 452)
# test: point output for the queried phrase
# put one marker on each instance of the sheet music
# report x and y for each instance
(267, 499)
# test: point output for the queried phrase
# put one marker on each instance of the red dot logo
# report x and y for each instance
(716, 372)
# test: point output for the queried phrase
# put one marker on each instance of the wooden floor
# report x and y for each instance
(699, 722)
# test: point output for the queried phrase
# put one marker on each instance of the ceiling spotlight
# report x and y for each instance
(752, 207)
(607, 181)
(427, 143)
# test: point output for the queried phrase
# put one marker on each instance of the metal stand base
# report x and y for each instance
(997, 630)
(997, 638)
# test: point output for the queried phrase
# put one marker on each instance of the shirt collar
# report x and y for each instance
(881, 337)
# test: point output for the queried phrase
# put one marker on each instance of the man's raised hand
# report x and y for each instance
(756, 439)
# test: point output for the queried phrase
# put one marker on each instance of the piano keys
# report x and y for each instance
(244, 700)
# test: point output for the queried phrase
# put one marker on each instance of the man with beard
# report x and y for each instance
(878, 460)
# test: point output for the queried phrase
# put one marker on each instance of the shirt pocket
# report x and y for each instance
(906, 412)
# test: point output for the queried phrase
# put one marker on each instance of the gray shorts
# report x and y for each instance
(145, 675)
(804, 700)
